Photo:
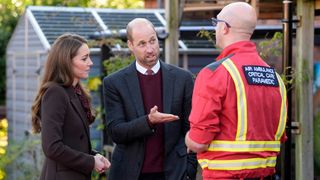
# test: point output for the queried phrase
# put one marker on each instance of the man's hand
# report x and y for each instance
(194, 146)
(156, 117)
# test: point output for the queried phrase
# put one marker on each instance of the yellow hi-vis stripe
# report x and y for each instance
(238, 164)
(283, 112)
(241, 100)
(244, 146)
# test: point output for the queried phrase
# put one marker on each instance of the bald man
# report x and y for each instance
(239, 108)
(147, 107)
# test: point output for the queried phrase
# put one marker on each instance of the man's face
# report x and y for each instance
(144, 45)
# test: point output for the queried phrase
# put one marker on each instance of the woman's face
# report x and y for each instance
(81, 64)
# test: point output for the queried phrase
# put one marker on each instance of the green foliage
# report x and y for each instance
(94, 83)
(271, 47)
(207, 34)
(110, 65)
(71, 3)
(111, 42)
(118, 4)
(117, 62)
(3, 142)
(295, 77)
(23, 168)
(9, 13)
(99, 112)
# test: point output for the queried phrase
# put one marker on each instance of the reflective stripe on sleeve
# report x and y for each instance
(238, 164)
(244, 146)
(241, 99)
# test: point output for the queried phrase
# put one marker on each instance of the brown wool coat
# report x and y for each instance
(65, 136)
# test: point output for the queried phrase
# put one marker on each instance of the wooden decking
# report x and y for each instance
(266, 9)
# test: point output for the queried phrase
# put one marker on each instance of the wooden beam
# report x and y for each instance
(172, 27)
(206, 5)
(254, 3)
(273, 6)
(202, 7)
(276, 15)
(317, 4)
(303, 88)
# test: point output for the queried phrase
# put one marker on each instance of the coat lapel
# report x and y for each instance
(134, 88)
(76, 104)
(168, 80)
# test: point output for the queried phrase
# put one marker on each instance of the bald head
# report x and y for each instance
(136, 24)
(241, 17)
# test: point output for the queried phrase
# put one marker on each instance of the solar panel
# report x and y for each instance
(119, 20)
(199, 43)
(193, 22)
(55, 23)
(199, 22)
(192, 40)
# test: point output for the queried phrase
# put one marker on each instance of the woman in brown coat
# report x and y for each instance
(62, 113)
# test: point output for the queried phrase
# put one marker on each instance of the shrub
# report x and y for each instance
(10, 156)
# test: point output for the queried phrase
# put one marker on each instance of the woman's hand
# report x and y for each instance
(101, 164)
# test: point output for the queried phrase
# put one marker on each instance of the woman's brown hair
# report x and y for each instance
(58, 70)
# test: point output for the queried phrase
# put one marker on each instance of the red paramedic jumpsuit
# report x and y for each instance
(239, 108)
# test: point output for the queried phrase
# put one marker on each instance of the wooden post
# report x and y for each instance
(255, 4)
(172, 27)
(287, 24)
(303, 88)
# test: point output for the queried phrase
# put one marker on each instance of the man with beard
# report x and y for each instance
(239, 111)
(147, 106)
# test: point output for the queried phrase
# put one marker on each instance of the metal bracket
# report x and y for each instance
(295, 128)
(296, 21)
